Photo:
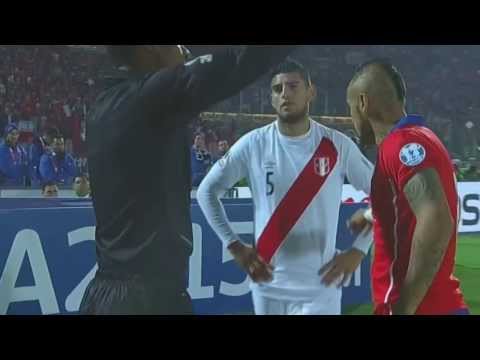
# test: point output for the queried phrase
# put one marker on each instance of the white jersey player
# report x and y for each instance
(296, 169)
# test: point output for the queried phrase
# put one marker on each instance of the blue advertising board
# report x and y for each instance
(47, 258)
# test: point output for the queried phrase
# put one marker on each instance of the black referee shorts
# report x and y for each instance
(111, 294)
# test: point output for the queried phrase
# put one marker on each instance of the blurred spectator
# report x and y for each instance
(41, 145)
(211, 141)
(57, 165)
(201, 160)
(13, 159)
(81, 186)
(49, 190)
(52, 84)
(81, 163)
(55, 85)
(223, 148)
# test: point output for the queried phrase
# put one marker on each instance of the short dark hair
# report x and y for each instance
(122, 54)
(51, 131)
(292, 66)
(48, 183)
(392, 72)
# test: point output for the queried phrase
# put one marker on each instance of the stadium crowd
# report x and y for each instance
(47, 90)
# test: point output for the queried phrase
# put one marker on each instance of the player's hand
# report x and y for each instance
(358, 222)
(339, 271)
(249, 260)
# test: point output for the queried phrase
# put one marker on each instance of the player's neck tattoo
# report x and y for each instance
(381, 132)
(380, 138)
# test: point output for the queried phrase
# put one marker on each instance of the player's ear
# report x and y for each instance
(363, 102)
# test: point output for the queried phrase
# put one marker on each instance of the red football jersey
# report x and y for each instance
(408, 149)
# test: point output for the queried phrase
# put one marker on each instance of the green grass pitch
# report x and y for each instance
(467, 270)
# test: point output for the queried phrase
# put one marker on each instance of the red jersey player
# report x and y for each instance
(414, 198)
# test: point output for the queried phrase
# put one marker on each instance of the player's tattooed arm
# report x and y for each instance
(431, 237)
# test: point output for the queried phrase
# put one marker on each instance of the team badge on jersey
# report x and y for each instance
(412, 154)
(322, 166)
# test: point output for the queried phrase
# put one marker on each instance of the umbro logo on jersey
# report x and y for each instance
(269, 165)
(412, 154)
(322, 166)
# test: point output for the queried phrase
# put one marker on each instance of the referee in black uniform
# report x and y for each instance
(139, 164)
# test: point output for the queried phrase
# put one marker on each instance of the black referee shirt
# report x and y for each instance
(139, 157)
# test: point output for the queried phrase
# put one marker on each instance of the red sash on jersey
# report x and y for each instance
(297, 199)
